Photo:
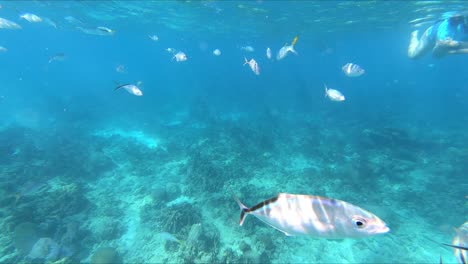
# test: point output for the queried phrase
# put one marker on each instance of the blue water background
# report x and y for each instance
(68, 99)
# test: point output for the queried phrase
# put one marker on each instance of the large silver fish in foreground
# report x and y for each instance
(308, 215)
(460, 244)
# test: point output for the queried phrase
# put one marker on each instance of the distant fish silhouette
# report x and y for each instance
(169, 237)
(57, 57)
(131, 88)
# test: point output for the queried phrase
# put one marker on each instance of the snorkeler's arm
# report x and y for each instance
(449, 47)
(458, 51)
(419, 47)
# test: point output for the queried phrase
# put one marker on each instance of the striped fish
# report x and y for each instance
(352, 70)
(307, 215)
(460, 244)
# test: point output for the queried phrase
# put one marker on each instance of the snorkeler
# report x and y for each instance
(445, 37)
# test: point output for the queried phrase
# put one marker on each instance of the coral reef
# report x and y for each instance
(106, 255)
(201, 245)
(177, 217)
(45, 249)
(24, 237)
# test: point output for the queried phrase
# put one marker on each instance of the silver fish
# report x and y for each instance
(73, 21)
(169, 237)
(153, 37)
(31, 18)
(7, 24)
(253, 65)
(3, 49)
(106, 30)
(308, 215)
(334, 95)
(268, 53)
(100, 31)
(216, 52)
(460, 244)
(352, 70)
(57, 57)
(248, 49)
(49, 22)
(131, 88)
(180, 56)
(284, 51)
(121, 68)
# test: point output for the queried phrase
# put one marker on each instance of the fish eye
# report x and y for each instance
(359, 222)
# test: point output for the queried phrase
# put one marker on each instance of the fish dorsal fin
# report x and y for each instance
(120, 86)
(456, 246)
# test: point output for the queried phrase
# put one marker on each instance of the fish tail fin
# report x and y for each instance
(242, 217)
(296, 38)
(246, 61)
(293, 50)
(244, 209)
(326, 89)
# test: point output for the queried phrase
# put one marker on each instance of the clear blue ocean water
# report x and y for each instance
(93, 175)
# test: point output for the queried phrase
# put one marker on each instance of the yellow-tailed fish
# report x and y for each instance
(287, 49)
